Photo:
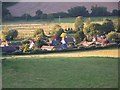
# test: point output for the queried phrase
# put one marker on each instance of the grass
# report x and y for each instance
(59, 72)
(62, 20)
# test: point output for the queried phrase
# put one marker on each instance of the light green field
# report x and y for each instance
(60, 72)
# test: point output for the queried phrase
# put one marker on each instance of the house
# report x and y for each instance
(8, 49)
(3, 44)
(52, 48)
(16, 45)
(85, 43)
(67, 41)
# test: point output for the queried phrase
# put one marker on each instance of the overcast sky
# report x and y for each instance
(52, 7)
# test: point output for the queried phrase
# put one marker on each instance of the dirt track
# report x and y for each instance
(99, 53)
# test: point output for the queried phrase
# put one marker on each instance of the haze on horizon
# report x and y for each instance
(53, 7)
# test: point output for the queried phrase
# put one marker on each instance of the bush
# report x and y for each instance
(9, 34)
(112, 36)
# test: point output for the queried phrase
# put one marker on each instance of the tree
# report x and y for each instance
(115, 12)
(112, 36)
(88, 21)
(79, 36)
(39, 31)
(56, 28)
(93, 29)
(44, 16)
(50, 17)
(78, 11)
(38, 14)
(58, 33)
(108, 26)
(78, 23)
(99, 11)
(26, 16)
(12, 34)
(9, 34)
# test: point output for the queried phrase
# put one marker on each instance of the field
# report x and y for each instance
(62, 70)
(27, 28)
(59, 72)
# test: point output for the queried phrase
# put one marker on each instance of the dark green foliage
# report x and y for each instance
(115, 12)
(79, 36)
(50, 17)
(9, 34)
(78, 11)
(26, 16)
(38, 14)
(108, 26)
(44, 16)
(12, 34)
(99, 11)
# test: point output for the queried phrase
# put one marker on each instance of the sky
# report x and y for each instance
(52, 7)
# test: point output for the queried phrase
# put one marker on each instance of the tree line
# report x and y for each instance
(96, 11)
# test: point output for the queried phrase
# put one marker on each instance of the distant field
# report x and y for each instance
(27, 28)
(62, 20)
(59, 72)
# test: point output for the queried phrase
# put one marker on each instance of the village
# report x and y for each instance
(64, 42)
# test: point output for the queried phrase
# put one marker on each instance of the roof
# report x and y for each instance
(47, 47)
(85, 43)
(8, 49)
(16, 44)
(69, 40)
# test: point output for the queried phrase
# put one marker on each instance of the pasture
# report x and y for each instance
(60, 72)
(27, 28)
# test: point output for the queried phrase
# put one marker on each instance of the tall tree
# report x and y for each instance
(99, 11)
(38, 14)
(78, 23)
(78, 11)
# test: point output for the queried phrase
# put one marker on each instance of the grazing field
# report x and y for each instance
(27, 28)
(60, 72)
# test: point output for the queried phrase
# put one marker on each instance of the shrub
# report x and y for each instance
(112, 36)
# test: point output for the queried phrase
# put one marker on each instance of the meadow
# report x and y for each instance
(27, 28)
(60, 72)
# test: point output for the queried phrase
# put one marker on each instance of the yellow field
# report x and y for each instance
(96, 53)
(27, 30)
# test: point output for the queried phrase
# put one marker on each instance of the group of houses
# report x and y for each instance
(54, 44)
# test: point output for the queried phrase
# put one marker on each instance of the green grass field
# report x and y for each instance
(59, 72)
(62, 20)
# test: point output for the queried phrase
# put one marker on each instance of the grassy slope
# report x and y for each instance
(60, 72)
